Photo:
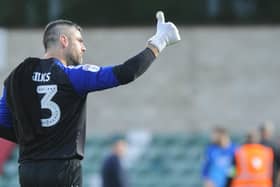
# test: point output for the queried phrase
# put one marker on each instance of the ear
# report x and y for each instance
(63, 41)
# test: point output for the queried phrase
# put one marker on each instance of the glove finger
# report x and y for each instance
(173, 26)
(176, 35)
(160, 17)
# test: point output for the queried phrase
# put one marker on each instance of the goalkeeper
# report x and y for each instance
(43, 102)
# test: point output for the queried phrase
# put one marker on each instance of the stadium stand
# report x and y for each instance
(234, 85)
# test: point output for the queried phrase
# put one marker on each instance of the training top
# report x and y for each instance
(217, 164)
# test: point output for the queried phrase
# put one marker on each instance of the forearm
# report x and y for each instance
(8, 134)
(135, 66)
(88, 78)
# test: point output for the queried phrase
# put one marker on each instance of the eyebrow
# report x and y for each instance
(80, 39)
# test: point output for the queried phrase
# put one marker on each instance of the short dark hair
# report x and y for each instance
(51, 33)
(220, 130)
(266, 125)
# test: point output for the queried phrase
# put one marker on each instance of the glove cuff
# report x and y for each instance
(158, 41)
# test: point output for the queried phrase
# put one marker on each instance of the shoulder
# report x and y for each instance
(82, 68)
(234, 146)
(29, 63)
(210, 149)
(211, 146)
(85, 67)
(111, 159)
(25, 67)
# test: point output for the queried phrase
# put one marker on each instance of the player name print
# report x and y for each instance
(41, 77)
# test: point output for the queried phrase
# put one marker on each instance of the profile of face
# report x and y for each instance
(220, 138)
(215, 137)
(75, 48)
(267, 130)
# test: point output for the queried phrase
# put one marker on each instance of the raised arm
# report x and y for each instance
(166, 34)
(88, 78)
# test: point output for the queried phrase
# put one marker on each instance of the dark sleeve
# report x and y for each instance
(134, 67)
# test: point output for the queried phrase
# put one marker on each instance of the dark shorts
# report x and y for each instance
(51, 173)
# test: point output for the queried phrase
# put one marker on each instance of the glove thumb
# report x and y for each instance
(160, 17)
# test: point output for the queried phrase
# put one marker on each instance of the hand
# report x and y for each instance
(167, 33)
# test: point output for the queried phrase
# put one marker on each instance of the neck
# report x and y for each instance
(57, 55)
(225, 144)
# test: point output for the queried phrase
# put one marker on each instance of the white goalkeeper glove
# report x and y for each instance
(167, 33)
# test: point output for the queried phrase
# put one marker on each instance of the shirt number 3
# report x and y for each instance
(46, 103)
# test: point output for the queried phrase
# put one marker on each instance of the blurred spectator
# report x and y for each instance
(6, 149)
(113, 173)
(253, 164)
(266, 133)
(218, 159)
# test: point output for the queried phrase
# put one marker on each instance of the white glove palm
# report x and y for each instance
(167, 33)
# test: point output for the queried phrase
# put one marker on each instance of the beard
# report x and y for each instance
(73, 61)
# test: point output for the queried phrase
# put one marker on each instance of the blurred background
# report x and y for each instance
(224, 72)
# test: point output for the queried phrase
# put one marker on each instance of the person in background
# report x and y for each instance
(253, 164)
(112, 171)
(266, 138)
(218, 159)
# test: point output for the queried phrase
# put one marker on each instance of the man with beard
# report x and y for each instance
(43, 102)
